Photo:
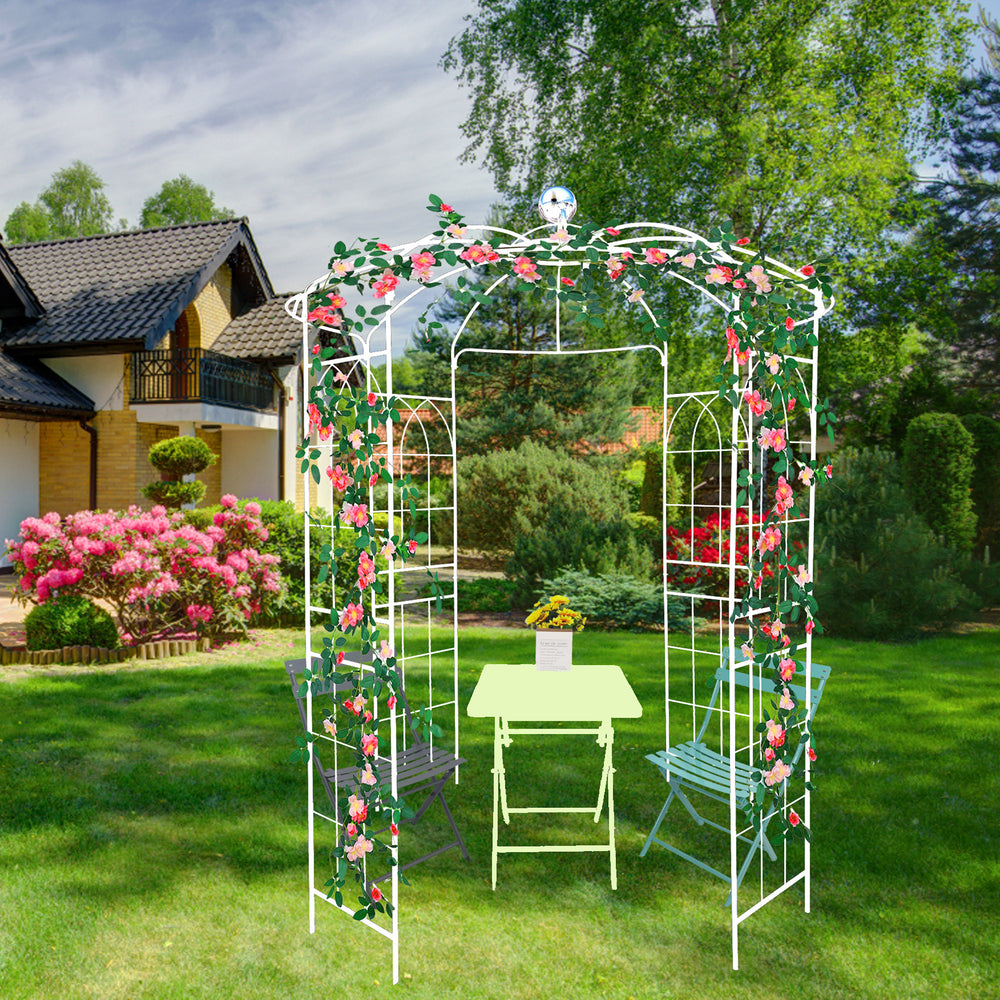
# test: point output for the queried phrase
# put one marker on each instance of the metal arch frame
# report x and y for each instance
(741, 430)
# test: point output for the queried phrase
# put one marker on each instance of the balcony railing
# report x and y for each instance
(196, 375)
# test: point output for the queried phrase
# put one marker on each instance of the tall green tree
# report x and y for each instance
(792, 117)
(573, 402)
(74, 204)
(181, 200)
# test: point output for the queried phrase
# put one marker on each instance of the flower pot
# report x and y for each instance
(553, 649)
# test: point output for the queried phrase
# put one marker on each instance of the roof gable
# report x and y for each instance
(17, 301)
(126, 290)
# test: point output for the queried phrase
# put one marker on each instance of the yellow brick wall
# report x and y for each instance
(214, 306)
(212, 476)
(63, 467)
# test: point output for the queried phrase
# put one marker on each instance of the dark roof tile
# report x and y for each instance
(28, 387)
(266, 331)
(124, 288)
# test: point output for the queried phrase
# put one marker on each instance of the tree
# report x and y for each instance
(792, 118)
(74, 204)
(573, 402)
(179, 201)
(964, 309)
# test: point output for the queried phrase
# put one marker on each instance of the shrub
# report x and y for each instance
(507, 495)
(159, 573)
(698, 558)
(568, 538)
(938, 460)
(881, 571)
(617, 600)
(486, 594)
(176, 458)
(986, 480)
(70, 620)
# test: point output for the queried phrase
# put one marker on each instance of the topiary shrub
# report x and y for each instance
(881, 572)
(938, 460)
(69, 620)
(985, 480)
(176, 458)
(507, 495)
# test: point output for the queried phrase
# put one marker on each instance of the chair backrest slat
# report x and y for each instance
(765, 686)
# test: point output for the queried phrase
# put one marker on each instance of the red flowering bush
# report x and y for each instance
(159, 573)
(698, 559)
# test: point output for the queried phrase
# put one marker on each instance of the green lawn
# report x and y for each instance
(152, 844)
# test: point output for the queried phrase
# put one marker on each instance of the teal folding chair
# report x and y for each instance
(693, 767)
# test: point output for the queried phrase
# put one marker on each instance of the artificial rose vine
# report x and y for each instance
(346, 417)
(766, 329)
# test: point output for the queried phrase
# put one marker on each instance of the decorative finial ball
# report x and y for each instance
(557, 205)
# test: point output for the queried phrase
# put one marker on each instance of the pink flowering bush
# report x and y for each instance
(159, 573)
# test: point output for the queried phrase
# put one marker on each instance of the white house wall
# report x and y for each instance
(18, 477)
(250, 463)
(100, 376)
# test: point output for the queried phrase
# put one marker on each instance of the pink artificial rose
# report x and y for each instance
(743, 241)
(456, 230)
(369, 744)
(810, 753)
(372, 399)
(654, 255)
(793, 817)
(768, 754)
(384, 246)
(786, 669)
(411, 546)
(315, 349)
(358, 808)
(376, 893)
(392, 702)
(368, 777)
(759, 277)
(393, 829)
(784, 499)
(351, 616)
(785, 701)
(808, 270)
(756, 402)
(351, 830)
(809, 627)
(385, 285)
(828, 469)
(611, 231)
(446, 208)
(330, 726)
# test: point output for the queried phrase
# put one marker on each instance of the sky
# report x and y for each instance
(319, 120)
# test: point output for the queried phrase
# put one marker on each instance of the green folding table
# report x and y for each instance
(522, 693)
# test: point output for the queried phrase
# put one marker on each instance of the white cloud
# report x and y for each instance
(318, 120)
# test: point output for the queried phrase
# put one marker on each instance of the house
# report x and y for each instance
(111, 343)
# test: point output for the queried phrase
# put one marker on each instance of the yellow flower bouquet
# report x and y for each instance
(555, 613)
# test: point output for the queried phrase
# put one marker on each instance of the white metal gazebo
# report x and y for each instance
(708, 440)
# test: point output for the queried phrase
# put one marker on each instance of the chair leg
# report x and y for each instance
(454, 829)
(656, 825)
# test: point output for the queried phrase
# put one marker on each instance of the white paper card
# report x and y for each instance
(553, 650)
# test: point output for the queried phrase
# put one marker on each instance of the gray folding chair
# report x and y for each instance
(422, 770)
